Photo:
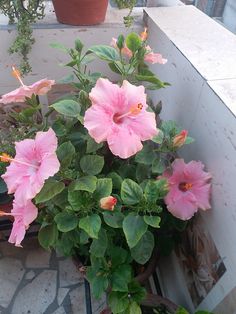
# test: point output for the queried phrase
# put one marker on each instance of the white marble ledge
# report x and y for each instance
(208, 46)
(113, 17)
(226, 91)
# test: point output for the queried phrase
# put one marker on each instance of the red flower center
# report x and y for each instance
(184, 187)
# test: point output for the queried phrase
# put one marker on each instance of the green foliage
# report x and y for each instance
(87, 183)
(133, 42)
(134, 228)
(48, 235)
(50, 189)
(131, 192)
(65, 153)
(142, 251)
(103, 189)
(106, 53)
(66, 221)
(99, 246)
(92, 164)
(24, 14)
(69, 108)
(91, 225)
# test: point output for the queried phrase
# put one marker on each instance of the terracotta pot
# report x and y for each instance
(80, 12)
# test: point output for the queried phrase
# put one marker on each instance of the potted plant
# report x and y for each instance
(80, 12)
(101, 175)
(23, 13)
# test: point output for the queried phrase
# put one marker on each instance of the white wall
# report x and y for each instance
(202, 70)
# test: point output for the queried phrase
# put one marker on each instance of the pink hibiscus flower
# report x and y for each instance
(23, 215)
(35, 161)
(189, 189)
(150, 56)
(18, 95)
(118, 115)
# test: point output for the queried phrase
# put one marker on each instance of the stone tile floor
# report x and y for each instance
(35, 281)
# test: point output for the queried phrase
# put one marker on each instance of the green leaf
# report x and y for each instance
(145, 156)
(74, 198)
(189, 140)
(153, 221)
(86, 183)
(3, 186)
(61, 200)
(66, 221)
(158, 138)
(151, 191)
(116, 180)
(65, 244)
(134, 228)
(116, 67)
(134, 308)
(65, 153)
(92, 164)
(84, 238)
(142, 172)
(118, 255)
(99, 246)
(181, 310)
(103, 189)
(92, 146)
(158, 165)
(91, 225)
(131, 192)
(118, 302)
(50, 189)
(59, 46)
(133, 42)
(121, 277)
(142, 252)
(137, 291)
(105, 52)
(151, 79)
(114, 219)
(69, 108)
(59, 128)
(48, 236)
(99, 285)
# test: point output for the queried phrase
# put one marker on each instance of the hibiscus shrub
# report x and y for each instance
(101, 175)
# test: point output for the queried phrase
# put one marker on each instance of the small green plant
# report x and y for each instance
(24, 15)
(129, 4)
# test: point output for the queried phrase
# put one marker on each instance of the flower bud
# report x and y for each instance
(108, 202)
(144, 34)
(180, 138)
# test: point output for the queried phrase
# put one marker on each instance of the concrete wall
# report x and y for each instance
(202, 71)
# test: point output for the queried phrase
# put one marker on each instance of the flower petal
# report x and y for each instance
(123, 142)
(107, 95)
(98, 121)
(144, 125)
(134, 94)
(45, 143)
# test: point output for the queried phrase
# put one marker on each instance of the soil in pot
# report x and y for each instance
(80, 12)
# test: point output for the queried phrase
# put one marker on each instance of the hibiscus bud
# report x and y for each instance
(5, 157)
(144, 34)
(108, 202)
(180, 138)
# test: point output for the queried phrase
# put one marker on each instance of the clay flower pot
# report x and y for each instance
(80, 12)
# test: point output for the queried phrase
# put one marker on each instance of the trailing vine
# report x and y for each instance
(24, 13)
(129, 4)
